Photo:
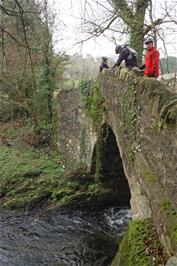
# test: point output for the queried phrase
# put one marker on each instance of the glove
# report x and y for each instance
(141, 72)
(142, 67)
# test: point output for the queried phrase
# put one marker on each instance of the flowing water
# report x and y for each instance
(72, 238)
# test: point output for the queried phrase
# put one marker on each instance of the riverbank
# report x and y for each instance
(40, 177)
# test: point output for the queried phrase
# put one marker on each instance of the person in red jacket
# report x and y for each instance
(152, 59)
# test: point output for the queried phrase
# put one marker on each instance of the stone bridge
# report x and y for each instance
(139, 128)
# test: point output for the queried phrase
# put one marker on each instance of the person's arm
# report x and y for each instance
(101, 67)
(123, 54)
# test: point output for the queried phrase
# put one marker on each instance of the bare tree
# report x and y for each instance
(134, 18)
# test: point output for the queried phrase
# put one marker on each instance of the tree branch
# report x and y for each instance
(153, 25)
(123, 10)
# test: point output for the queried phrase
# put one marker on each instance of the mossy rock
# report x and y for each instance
(140, 246)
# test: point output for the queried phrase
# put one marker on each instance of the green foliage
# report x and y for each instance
(94, 107)
(140, 246)
(92, 101)
(44, 99)
(28, 65)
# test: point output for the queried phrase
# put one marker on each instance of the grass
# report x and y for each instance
(28, 176)
(31, 178)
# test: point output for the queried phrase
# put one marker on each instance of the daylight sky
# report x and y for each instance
(68, 31)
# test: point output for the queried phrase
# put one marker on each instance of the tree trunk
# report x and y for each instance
(137, 39)
(134, 21)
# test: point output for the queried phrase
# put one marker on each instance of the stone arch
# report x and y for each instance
(111, 163)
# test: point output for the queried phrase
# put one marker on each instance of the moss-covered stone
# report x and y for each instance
(150, 176)
(174, 233)
(165, 101)
(131, 116)
(140, 246)
(92, 101)
(167, 206)
(95, 110)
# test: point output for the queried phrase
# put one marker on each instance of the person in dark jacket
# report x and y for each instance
(126, 54)
(152, 63)
(104, 63)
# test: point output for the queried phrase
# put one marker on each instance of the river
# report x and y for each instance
(72, 238)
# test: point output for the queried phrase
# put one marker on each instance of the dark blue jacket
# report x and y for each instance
(103, 65)
(130, 58)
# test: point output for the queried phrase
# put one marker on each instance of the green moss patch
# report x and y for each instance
(92, 101)
(31, 178)
(150, 176)
(140, 246)
(167, 206)
(174, 233)
(131, 118)
(28, 176)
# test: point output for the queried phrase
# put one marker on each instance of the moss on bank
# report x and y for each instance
(31, 178)
(140, 246)
(28, 176)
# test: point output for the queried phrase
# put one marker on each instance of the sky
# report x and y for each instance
(67, 31)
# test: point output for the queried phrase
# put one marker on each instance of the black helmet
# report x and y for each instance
(118, 48)
(104, 58)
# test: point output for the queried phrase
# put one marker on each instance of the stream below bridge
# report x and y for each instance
(72, 238)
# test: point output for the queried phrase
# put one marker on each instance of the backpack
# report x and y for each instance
(132, 53)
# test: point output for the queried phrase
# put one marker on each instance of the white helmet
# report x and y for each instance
(148, 40)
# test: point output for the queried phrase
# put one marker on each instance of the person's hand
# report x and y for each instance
(141, 72)
(142, 67)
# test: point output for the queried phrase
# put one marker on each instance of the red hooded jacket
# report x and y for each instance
(152, 63)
